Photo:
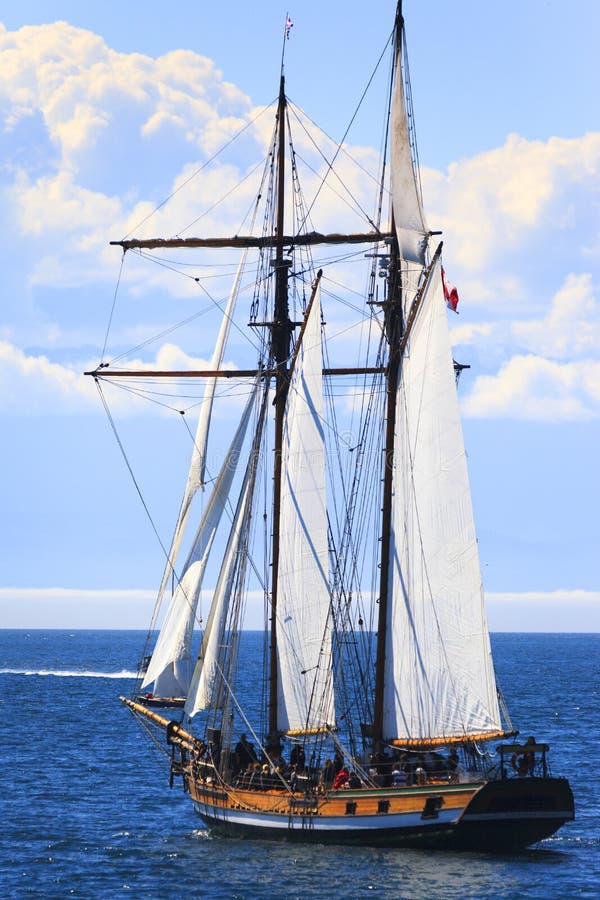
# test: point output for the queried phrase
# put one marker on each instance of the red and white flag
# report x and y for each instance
(288, 27)
(450, 293)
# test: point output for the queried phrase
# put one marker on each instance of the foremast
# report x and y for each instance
(281, 329)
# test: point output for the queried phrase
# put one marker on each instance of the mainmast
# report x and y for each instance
(280, 350)
(393, 330)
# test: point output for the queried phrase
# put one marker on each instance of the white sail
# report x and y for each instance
(439, 678)
(409, 217)
(305, 692)
(170, 667)
(198, 461)
(205, 680)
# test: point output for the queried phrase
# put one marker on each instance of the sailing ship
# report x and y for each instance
(377, 719)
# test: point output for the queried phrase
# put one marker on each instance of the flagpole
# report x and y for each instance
(286, 36)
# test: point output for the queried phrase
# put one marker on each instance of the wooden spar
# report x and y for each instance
(398, 340)
(175, 729)
(241, 241)
(457, 740)
(108, 373)
(313, 294)
(280, 349)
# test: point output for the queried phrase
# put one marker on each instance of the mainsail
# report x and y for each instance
(439, 679)
(305, 692)
(169, 667)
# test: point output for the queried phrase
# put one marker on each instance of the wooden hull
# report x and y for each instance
(496, 816)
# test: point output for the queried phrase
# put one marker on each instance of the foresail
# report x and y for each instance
(409, 217)
(204, 692)
(439, 678)
(305, 691)
(173, 644)
(198, 460)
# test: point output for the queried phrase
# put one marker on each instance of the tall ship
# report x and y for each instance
(369, 712)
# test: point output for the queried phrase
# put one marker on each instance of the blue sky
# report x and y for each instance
(103, 107)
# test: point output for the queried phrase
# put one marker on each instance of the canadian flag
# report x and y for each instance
(450, 293)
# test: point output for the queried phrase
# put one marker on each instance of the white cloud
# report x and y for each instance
(572, 326)
(556, 376)
(82, 87)
(103, 123)
(32, 385)
(499, 203)
(35, 386)
(544, 611)
(537, 389)
(56, 607)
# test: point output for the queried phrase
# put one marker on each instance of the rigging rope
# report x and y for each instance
(200, 169)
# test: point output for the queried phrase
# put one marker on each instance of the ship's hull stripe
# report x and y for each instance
(350, 823)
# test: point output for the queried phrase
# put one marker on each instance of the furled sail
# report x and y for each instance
(198, 460)
(204, 691)
(169, 667)
(305, 692)
(439, 677)
(407, 205)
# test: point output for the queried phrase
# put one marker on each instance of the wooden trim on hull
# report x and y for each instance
(494, 816)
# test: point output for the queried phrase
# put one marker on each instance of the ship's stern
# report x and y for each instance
(513, 813)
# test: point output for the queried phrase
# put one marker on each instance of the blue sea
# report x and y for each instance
(87, 809)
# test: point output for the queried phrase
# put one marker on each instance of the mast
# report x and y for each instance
(280, 350)
(393, 323)
(393, 328)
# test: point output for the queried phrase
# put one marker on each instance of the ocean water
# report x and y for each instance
(88, 813)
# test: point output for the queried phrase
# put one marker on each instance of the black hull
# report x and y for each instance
(162, 702)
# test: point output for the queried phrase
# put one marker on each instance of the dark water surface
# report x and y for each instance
(87, 810)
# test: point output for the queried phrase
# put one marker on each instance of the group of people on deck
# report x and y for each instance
(273, 771)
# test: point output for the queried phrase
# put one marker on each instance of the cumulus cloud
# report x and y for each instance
(88, 130)
(537, 389)
(571, 327)
(555, 376)
(81, 87)
(41, 387)
(501, 203)
(33, 384)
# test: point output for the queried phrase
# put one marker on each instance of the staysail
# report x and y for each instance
(206, 680)
(169, 667)
(198, 460)
(409, 217)
(305, 691)
(439, 677)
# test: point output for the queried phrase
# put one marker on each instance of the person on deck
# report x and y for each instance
(298, 757)
(341, 779)
(398, 776)
(354, 781)
(244, 753)
(452, 765)
(327, 775)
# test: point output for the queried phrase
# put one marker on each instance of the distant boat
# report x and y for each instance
(380, 721)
